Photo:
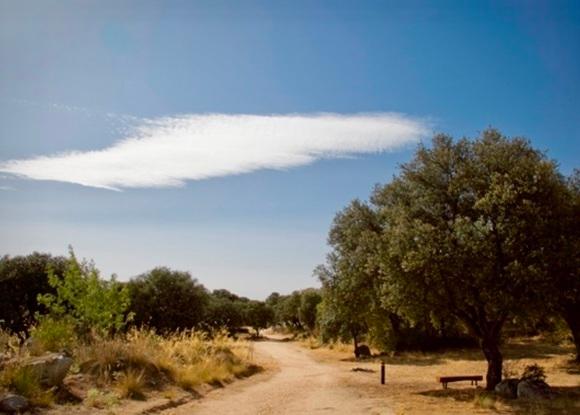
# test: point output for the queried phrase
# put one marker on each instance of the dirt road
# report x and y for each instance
(298, 385)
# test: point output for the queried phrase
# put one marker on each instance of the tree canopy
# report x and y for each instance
(22, 279)
(93, 304)
(462, 231)
(168, 300)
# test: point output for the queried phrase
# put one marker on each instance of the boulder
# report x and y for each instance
(507, 388)
(362, 351)
(13, 403)
(51, 368)
(534, 389)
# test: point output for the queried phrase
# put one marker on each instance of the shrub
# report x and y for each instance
(26, 382)
(131, 384)
(53, 335)
(9, 343)
(94, 304)
(534, 373)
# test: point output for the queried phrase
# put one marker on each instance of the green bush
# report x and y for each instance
(92, 303)
(53, 335)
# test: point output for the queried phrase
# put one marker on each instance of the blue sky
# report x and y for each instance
(86, 76)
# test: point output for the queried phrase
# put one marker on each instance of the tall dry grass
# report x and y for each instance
(129, 365)
(143, 359)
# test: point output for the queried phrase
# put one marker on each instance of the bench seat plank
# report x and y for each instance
(448, 379)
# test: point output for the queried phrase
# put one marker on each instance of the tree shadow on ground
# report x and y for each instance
(566, 400)
(532, 349)
(520, 349)
(572, 367)
(270, 339)
(414, 359)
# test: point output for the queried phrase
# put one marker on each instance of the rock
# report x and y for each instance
(362, 351)
(77, 386)
(534, 389)
(13, 403)
(507, 388)
(51, 368)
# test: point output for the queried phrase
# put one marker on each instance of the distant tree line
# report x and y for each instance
(38, 286)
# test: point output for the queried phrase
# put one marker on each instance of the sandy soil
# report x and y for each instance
(412, 389)
(298, 380)
(299, 384)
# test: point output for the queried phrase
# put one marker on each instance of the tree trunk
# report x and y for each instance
(395, 321)
(572, 318)
(490, 347)
(354, 335)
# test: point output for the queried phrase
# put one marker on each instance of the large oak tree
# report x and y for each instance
(464, 230)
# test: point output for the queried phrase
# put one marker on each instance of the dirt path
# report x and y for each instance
(299, 385)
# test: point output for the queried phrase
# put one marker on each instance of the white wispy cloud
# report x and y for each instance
(169, 151)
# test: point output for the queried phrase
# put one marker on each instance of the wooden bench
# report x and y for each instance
(448, 379)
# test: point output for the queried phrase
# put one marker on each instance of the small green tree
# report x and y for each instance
(92, 303)
(259, 315)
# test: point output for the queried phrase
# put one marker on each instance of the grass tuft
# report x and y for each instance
(26, 382)
(131, 385)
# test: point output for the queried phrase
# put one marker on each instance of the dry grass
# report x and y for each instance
(9, 345)
(132, 365)
(313, 342)
(412, 388)
(25, 382)
(143, 359)
(131, 385)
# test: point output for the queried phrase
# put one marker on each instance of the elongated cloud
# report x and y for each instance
(169, 151)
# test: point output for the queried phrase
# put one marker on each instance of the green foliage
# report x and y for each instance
(286, 311)
(22, 279)
(466, 232)
(353, 306)
(297, 311)
(258, 315)
(92, 303)
(563, 294)
(225, 310)
(53, 334)
(309, 300)
(465, 226)
(168, 300)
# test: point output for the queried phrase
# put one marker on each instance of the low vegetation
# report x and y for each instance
(88, 319)
(132, 364)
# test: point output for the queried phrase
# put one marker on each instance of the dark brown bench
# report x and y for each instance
(448, 379)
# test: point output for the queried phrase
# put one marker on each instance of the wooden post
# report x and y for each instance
(382, 372)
